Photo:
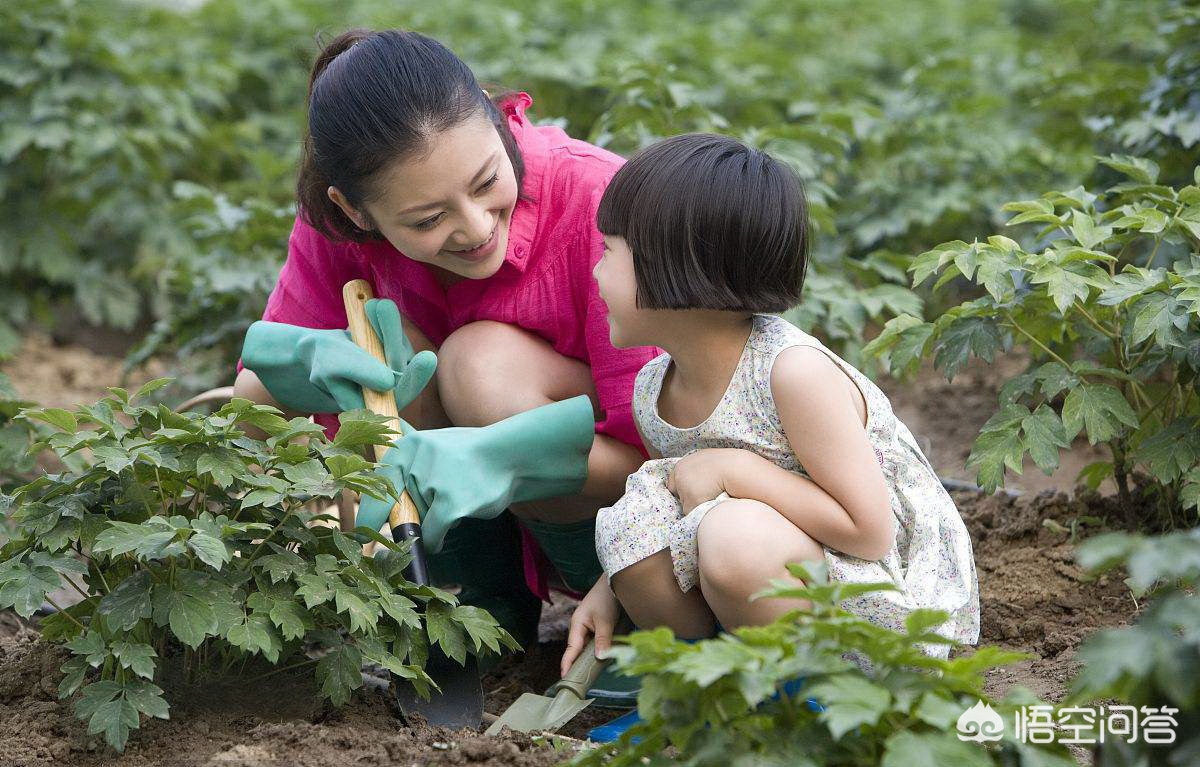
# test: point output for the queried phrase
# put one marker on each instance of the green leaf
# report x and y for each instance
(191, 618)
(256, 634)
(62, 419)
(340, 673)
(212, 551)
(293, 621)
(1133, 281)
(1171, 452)
(315, 588)
(906, 749)
(281, 565)
(1094, 474)
(1087, 234)
(1064, 286)
(136, 657)
(932, 261)
(1099, 409)
(444, 632)
(151, 386)
(363, 615)
(113, 457)
(91, 647)
(359, 428)
(149, 540)
(24, 587)
(1137, 168)
(340, 465)
(850, 701)
(115, 719)
(400, 609)
(1055, 378)
(147, 698)
(962, 337)
(223, 464)
(128, 603)
(1044, 437)
(1160, 315)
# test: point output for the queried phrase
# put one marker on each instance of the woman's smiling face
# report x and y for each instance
(449, 206)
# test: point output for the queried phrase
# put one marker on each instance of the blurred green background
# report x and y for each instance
(148, 153)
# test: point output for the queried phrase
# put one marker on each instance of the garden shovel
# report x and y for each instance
(560, 704)
(459, 700)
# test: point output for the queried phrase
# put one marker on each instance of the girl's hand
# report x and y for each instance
(596, 615)
(701, 476)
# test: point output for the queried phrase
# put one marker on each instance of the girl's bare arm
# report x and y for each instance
(846, 505)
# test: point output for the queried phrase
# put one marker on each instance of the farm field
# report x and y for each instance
(1004, 198)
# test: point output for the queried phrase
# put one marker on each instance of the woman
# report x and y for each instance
(480, 226)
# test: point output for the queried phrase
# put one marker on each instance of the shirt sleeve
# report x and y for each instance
(308, 292)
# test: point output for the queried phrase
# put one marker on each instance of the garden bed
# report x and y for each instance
(1034, 599)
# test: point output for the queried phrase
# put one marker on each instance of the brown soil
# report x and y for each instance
(1034, 599)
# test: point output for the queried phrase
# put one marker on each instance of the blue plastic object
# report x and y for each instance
(607, 733)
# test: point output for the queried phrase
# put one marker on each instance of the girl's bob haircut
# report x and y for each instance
(712, 224)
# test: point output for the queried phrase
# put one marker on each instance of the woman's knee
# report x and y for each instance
(744, 544)
(488, 371)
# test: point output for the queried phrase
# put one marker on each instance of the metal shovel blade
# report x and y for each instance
(460, 701)
(535, 713)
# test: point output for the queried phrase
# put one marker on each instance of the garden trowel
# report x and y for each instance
(560, 704)
(459, 700)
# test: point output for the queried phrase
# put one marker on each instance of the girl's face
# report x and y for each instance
(449, 206)
(628, 325)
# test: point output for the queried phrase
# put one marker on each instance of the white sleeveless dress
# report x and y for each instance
(931, 562)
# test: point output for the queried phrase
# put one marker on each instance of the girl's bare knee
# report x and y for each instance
(744, 544)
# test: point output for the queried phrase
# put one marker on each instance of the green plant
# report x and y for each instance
(1107, 305)
(723, 701)
(1156, 661)
(190, 542)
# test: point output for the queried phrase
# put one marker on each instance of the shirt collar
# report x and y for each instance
(523, 223)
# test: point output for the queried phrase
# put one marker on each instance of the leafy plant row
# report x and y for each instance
(1106, 303)
(190, 543)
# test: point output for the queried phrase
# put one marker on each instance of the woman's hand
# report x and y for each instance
(701, 476)
(596, 615)
(324, 371)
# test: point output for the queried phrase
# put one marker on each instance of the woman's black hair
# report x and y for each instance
(712, 224)
(375, 98)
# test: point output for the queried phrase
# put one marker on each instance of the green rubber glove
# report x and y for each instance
(461, 472)
(324, 371)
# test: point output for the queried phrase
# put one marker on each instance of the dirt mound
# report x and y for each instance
(1034, 598)
(279, 721)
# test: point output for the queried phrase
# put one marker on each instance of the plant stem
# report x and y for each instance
(272, 672)
(63, 612)
(1157, 241)
(1095, 323)
(1037, 342)
(75, 586)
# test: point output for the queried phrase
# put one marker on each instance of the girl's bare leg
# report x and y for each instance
(650, 595)
(743, 546)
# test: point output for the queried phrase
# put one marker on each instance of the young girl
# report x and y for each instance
(767, 448)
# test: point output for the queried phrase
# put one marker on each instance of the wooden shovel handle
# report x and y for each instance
(355, 295)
